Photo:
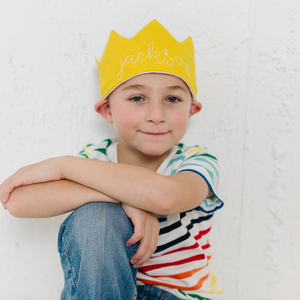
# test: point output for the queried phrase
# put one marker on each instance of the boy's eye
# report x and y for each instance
(173, 99)
(136, 99)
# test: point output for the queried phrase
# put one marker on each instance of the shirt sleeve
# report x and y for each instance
(96, 151)
(85, 153)
(200, 161)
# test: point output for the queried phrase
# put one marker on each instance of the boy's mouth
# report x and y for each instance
(154, 133)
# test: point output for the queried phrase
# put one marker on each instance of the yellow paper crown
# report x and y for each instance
(152, 50)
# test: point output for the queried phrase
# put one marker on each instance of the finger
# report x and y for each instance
(134, 239)
(144, 259)
(140, 252)
(5, 197)
(7, 187)
(4, 205)
(151, 249)
(1, 190)
(145, 243)
(137, 235)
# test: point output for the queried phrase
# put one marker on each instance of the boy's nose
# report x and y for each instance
(155, 113)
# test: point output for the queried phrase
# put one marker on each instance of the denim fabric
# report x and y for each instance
(94, 258)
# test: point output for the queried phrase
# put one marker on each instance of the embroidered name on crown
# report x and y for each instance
(151, 53)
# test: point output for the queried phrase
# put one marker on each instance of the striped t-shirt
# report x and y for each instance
(181, 262)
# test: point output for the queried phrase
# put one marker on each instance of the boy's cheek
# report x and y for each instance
(126, 119)
(180, 122)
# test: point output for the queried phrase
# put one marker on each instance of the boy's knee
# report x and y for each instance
(93, 221)
(94, 216)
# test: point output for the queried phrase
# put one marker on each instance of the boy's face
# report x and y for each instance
(150, 113)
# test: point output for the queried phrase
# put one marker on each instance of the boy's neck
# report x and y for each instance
(137, 158)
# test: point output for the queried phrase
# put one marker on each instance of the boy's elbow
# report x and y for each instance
(166, 203)
(172, 198)
(164, 207)
(13, 211)
(12, 208)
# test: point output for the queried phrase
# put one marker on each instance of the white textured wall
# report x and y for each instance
(248, 74)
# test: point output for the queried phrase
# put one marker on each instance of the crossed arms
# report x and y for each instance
(132, 185)
(59, 185)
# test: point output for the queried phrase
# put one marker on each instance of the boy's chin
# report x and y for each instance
(155, 151)
(150, 149)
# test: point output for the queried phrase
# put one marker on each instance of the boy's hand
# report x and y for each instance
(146, 230)
(43, 171)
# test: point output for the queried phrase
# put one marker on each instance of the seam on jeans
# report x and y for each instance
(135, 295)
(59, 238)
(144, 292)
(162, 295)
(63, 240)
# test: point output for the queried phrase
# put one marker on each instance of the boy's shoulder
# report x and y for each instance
(189, 151)
(97, 151)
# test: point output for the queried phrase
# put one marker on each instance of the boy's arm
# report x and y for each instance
(133, 185)
(48, 199)
(137, 186)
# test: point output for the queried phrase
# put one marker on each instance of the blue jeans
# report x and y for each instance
(94, 257)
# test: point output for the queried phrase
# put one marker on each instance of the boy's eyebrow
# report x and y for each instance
(145, 87)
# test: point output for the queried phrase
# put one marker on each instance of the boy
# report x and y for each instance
(148, 90)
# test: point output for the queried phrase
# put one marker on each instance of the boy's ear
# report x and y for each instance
(103, 108)
(195, 107)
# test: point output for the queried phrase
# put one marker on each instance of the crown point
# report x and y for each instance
(114, 34)
(188, 42)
